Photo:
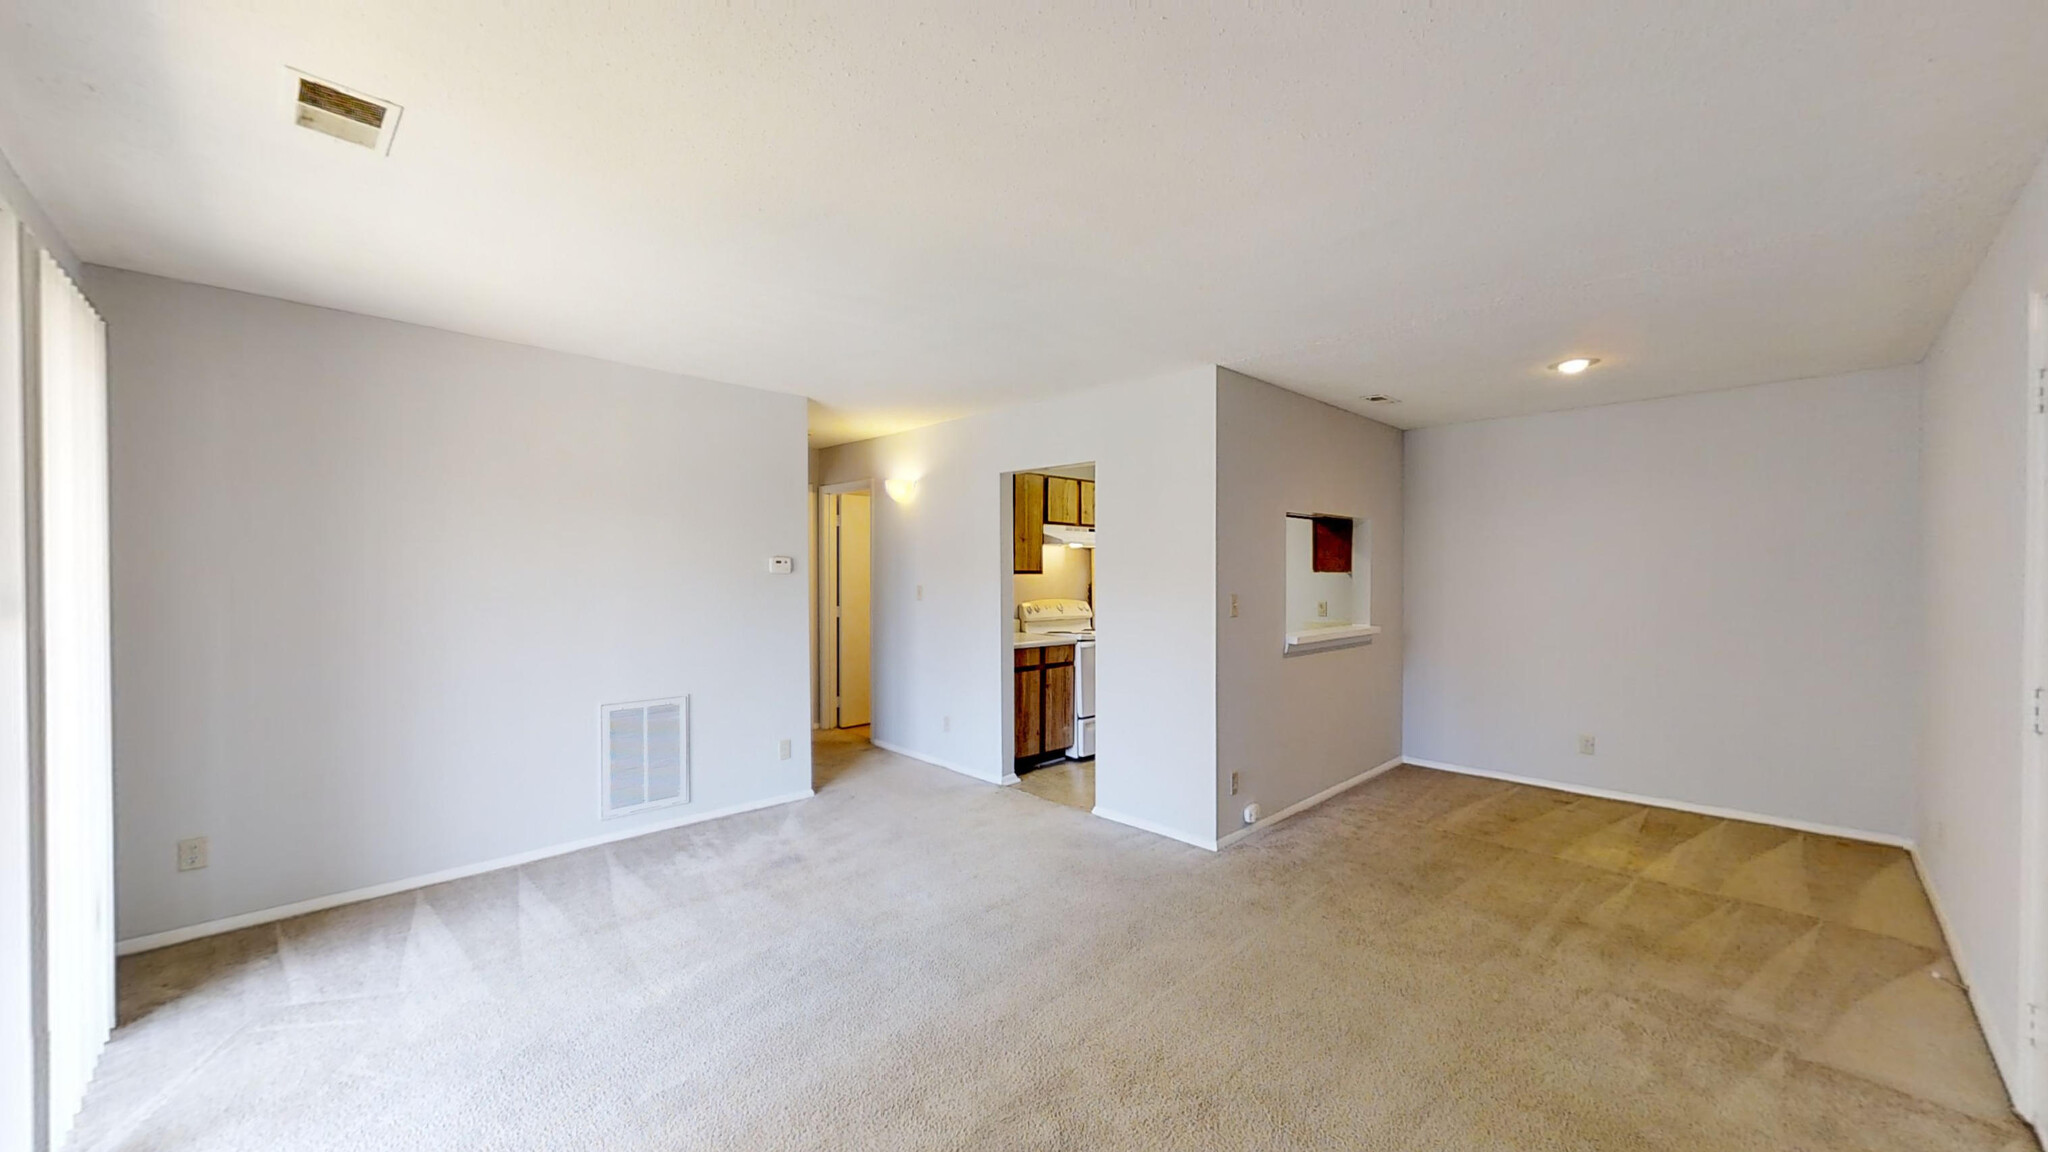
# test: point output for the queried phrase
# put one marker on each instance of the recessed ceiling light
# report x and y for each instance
(1574, 366)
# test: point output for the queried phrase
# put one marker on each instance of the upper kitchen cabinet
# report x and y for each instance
(1087, 503)
(1029, 518)
(1063, 500)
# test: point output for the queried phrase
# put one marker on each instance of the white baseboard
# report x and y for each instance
(1661, 802)
(1301, 806)
(928, 758)
(1143, 825)
(321, 903)
(2014, 1083)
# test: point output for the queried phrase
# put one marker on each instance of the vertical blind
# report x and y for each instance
(69, 599)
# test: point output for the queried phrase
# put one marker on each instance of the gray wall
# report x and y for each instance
(1292, 726)
(1722, 589)
(373, 582)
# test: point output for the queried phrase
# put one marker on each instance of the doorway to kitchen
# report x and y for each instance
(844, 581)
(1049, 615)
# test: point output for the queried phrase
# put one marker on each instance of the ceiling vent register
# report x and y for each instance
(343, 113)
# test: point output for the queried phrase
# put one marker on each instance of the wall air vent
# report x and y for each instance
(343, 113)
(646, 760)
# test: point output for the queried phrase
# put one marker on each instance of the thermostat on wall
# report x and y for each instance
(781, 564)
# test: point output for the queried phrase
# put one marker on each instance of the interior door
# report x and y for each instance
(854, 510)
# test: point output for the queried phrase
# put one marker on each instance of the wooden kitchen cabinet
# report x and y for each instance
(1058, 724)
(1087, 503)
(1044, 701)
(1028, 513)
(1331, 544)
(1062, 500)
(1030, 707)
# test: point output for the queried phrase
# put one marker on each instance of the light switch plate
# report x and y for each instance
(781, 564)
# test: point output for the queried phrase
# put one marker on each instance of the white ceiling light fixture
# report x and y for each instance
(1574, 366)
(343, 113)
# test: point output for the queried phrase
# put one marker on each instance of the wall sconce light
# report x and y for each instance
(901, 489)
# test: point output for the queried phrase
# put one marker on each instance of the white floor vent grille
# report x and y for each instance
(646, 755)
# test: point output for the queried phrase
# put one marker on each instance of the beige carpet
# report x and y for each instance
(914, 960)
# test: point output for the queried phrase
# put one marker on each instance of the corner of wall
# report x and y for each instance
(16, 195)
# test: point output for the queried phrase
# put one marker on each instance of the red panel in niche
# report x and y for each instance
(1332, 536)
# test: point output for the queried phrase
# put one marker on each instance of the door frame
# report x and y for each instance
(2031, 1091)
(827, 589)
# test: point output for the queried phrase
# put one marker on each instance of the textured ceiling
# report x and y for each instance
(910, 212)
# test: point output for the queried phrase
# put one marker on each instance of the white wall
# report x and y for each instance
(373, 581)
(1293, 726)
(945, 659)
(1971, 771)
(1723, 589)
(20, 942)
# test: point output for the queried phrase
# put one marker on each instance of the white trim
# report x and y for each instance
(2027, 1080)
(1680, 805)
(1144, 825)
(1300, 806)
(1963, 969)
(927, 758)
(1317, 639)
(135, 944)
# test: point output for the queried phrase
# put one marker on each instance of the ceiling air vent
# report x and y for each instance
(343, 113)
(646, 755)
(1380, 398)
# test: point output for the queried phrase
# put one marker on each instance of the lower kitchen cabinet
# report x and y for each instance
(1044, 701)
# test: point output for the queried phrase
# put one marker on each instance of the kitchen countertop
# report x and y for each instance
(1041, 640)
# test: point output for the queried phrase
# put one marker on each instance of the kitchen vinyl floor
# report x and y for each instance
(916, 960)
(1069, 782)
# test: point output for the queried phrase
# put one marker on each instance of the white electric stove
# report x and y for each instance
(1075, 619)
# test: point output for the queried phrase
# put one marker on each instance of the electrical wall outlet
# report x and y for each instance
(1233, 783)
(1322, 607)
(1585, 745)
(192, 854)
(782, 750)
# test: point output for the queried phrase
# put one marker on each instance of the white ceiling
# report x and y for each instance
(915, 211)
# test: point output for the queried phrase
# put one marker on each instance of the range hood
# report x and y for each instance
(1071, 537)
